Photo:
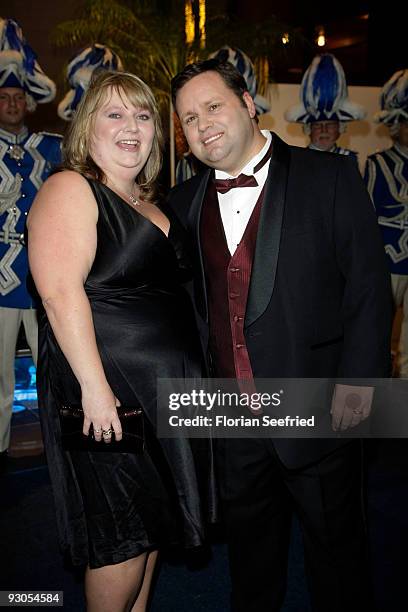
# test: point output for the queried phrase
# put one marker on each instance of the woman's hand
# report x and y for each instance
(99, 406)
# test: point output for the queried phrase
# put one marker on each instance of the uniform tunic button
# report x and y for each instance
(21, 179)
(23, 195)
(26, 213)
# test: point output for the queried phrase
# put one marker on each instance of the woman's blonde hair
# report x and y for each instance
(76, 143)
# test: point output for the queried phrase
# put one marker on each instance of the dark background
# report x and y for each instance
(368, 38)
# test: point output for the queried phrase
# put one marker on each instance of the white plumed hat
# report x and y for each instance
(19, 66)
(323, 94)
(394, 99)
(80, 71)
(243, 64)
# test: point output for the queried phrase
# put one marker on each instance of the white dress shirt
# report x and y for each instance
(237, 204)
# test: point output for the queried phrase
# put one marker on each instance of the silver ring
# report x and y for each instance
(107, 432)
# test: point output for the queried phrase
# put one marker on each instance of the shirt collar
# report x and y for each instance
(14, 138)
(249, 167)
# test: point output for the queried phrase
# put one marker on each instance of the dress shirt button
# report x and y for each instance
(234, 269)
(237, 318)
(234, 295)
(239, 346)
(238, 212)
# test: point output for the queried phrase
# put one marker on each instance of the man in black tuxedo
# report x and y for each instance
(291, 281)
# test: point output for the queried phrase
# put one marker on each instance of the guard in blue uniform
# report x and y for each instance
(324, 107)
(26, 160)
(386, 177)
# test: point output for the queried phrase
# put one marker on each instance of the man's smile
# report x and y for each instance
(213, 138)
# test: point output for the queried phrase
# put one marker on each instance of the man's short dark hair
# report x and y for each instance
(229, 74)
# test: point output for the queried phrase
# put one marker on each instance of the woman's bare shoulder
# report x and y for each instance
(65, 190)
(67, 180)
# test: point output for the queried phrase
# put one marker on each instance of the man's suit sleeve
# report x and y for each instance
(367, 298)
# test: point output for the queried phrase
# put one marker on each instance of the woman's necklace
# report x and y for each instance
(134, 201)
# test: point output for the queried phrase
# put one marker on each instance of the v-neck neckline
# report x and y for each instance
(139, 213)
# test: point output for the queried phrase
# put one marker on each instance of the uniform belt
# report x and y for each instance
(401, 224)
(12, 238)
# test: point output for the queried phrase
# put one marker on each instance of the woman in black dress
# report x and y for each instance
(108, 263)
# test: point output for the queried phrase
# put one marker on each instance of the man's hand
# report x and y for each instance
(351, 404)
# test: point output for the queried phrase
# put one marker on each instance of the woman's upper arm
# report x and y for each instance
(62, 233)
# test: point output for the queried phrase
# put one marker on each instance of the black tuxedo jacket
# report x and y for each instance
(319, 302)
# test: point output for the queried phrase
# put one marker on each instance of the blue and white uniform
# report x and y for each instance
(26, 160)
(386, 177)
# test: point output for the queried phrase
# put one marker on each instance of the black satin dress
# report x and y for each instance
(115, 506)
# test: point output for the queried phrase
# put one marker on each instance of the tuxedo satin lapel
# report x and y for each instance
(269, 233)
(194, 217)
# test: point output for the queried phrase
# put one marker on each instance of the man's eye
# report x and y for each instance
(189, 120)
(214, 106)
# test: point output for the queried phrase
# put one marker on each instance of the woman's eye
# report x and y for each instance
(144, 117)
(114, 116)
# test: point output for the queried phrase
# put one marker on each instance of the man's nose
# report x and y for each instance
(204, 122)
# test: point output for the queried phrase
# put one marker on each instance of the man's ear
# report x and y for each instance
(249, 103)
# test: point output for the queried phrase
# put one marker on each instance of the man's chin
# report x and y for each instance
(324, 146)
(13, 121)
(217, 160)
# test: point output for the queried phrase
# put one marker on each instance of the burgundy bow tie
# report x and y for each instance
(243, 180)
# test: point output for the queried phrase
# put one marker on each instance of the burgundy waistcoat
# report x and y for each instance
(227, 282)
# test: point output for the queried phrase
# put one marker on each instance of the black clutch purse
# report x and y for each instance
(72, 420)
